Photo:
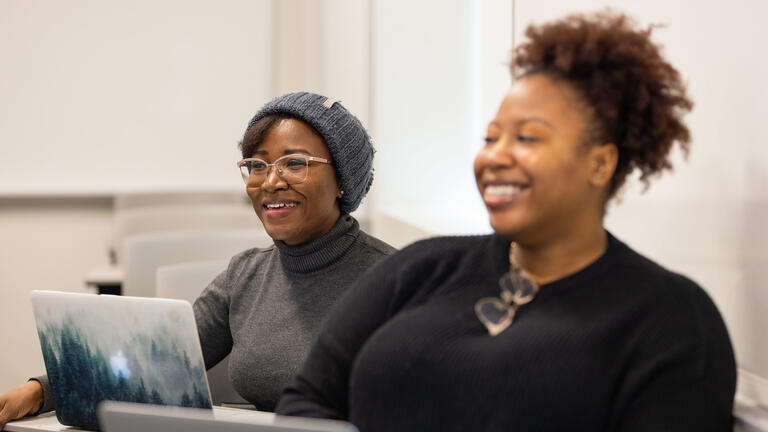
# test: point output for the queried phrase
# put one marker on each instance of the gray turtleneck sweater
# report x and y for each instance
(265, 309)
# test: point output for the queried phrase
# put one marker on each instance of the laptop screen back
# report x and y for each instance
(129, 349)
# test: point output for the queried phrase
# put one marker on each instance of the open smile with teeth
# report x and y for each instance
(502, 190)
(280, 205)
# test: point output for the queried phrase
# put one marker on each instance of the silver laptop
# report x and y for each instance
(128, 417)
(132, 349)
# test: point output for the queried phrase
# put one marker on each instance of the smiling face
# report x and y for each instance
(538, 176)
(302, 212)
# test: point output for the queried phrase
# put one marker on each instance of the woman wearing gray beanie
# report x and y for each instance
(307, 163)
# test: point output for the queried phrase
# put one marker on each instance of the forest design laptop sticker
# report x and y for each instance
(127, 349)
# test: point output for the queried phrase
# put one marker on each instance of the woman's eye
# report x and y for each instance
(258, 165)
(490, 140)
(295, 163)
(527, 138)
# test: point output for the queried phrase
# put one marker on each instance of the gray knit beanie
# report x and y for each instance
(342, 132)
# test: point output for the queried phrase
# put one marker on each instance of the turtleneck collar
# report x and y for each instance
(321, 252)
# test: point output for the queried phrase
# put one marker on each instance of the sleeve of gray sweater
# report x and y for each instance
(212, 317)
(47, 394)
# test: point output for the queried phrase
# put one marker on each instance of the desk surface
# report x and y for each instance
(43, 422)
(48, 421)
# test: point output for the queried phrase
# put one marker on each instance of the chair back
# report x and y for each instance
(145, 253)
(158, 219)
(185, 281)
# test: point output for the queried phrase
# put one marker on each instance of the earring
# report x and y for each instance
(341, 193)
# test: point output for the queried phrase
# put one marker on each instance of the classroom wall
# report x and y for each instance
(47, 244)
(113, 89)
(437, 82)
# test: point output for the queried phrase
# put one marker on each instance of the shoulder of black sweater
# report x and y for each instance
(652, 275)
(447, 249)
(448, 245)
(412, 273)
(679, 310)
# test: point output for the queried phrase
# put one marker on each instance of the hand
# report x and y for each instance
(21, 401)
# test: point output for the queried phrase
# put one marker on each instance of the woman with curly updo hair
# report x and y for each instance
(550, 323)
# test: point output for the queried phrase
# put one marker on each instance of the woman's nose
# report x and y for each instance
(273, 181)
(496, 154)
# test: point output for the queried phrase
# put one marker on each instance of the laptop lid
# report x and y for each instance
(132, 349)
(128, 417)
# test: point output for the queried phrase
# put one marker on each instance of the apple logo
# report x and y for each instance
(119, 365)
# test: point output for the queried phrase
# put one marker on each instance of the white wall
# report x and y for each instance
(47, 244)
(440, 70)
(102, 96)
(708, 218)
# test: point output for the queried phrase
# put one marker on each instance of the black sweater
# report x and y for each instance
(622, 345)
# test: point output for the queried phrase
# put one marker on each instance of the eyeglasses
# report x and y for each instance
(497, 314)
(293, 168)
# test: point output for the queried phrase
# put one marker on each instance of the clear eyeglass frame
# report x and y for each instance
(498, 313)
(292, 168)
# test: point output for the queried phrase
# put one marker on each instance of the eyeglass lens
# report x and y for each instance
(292, 169)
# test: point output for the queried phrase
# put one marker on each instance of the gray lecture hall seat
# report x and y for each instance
(161, 213)
(186, 281)
(160, 219)
(144, 254)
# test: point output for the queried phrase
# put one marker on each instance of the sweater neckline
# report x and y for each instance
(592, 270)
(321, 252)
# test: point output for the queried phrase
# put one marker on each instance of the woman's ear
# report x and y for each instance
(603, 158)
(340, 193)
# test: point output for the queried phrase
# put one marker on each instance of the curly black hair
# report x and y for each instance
(637, 97)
